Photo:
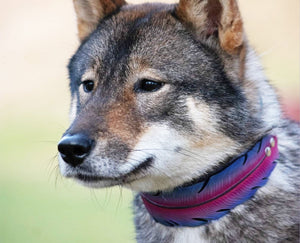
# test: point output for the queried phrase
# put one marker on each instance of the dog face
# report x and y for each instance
(158, 94)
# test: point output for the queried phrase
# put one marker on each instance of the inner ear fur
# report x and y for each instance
(214, 18)
(90, 12)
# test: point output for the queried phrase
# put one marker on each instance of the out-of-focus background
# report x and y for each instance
(36, 40)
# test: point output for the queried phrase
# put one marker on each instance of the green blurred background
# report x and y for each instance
(36, 40)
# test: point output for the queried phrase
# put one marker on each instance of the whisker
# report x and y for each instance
(57, 175)
(53, 167)
(108, 193)
(168, 150)
(46, 141)
(94, 197)
(120, 200)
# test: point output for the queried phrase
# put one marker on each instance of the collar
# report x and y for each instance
(207, 200)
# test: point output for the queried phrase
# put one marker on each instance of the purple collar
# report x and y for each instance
(204, 201)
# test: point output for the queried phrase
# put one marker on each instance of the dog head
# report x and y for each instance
(161, 94)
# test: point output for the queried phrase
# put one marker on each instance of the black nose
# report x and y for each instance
(75, 148)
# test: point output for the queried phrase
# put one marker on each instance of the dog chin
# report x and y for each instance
(132, 177)
(97, 184)
(149, 184)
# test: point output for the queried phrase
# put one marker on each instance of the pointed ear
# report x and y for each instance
(90, 12)
(214, 17)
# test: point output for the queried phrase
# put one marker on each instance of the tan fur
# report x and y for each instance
(89, 75)
(207, 130)
(208, 16)
(123, 120)
(231, 32)
(89, 13)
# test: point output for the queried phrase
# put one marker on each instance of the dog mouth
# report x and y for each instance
(90, 179)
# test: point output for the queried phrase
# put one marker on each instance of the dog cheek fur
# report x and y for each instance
(180, 155)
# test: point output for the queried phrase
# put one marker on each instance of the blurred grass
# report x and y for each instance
(33, 212)
(36, 40)
(37, 205)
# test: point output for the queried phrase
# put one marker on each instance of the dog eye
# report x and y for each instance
(146, 85)
(88, 86)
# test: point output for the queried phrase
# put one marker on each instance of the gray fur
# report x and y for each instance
(241, 109)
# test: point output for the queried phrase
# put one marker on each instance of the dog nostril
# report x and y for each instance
(80, 151)
(75, 148)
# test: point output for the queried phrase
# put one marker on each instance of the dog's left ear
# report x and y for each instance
(214, 17)
(90, 12)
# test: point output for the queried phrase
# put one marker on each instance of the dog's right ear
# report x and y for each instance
(90, 12)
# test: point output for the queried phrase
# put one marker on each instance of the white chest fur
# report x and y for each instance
(189, 235)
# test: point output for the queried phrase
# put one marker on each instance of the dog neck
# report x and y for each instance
(208, 200)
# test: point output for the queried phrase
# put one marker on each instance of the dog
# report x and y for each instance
(171, 101)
